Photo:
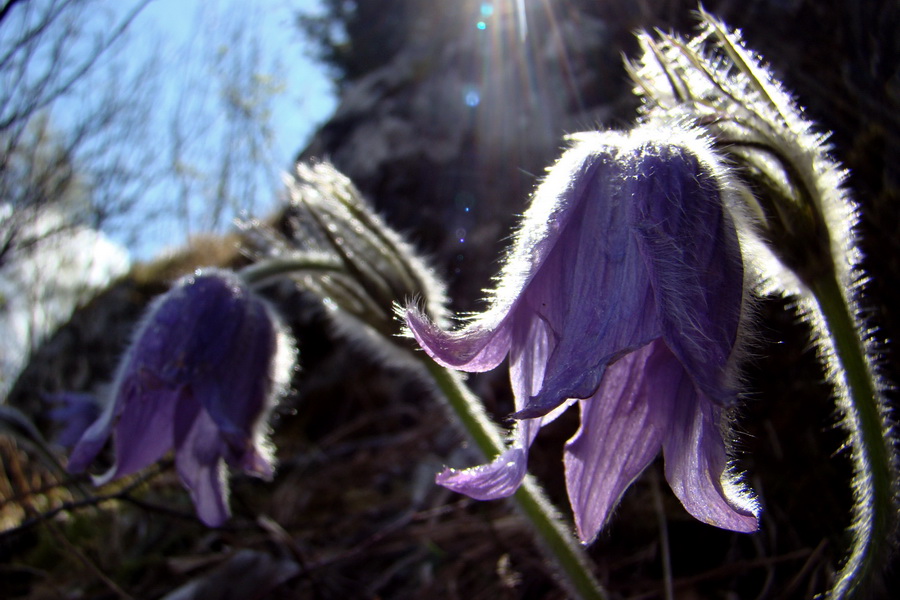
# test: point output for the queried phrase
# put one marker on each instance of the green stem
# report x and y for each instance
(269, 268)
(874, 507)
(557, 542)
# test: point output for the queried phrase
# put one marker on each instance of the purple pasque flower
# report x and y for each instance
(624, 290)
(200, 377)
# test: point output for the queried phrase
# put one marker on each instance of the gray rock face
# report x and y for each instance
(451, 135)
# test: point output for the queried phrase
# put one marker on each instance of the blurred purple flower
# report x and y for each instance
(624, 290)
(200, 377)
(74, 412)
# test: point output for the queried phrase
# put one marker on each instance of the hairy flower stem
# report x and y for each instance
(558, 544)
(874, 506)
(265, 270)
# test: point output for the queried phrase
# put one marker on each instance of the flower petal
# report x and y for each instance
(483, 343)
(186, 332)
(533, 341)
(499, 478)
(198, 458)
(237, 392)
(593, 290)
(143, 432)
(616, 441)
(94, 438)
(694, 450)
(503, 476)
(690, 247)
(476, 348)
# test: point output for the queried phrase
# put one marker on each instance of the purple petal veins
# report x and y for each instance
(624, 290)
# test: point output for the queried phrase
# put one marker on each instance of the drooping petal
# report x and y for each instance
(499, 478)
(198, 458)
(239, 387)
(694, 449)
(593, 289)
(143, 434)
(532, 342)
(144, 431)
(475, 349)
(483, 343)
(187, 331)
(690, 247)
(94, 438)
(616, 441)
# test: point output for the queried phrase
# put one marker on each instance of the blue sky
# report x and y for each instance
(308, 99)
(183, 37)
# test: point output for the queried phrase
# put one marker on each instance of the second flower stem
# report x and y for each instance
(557, 543)
(874, 509)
